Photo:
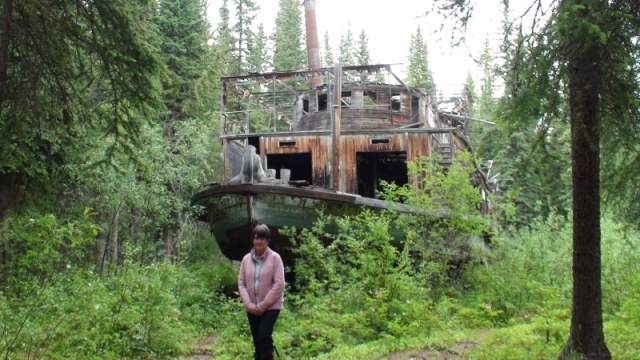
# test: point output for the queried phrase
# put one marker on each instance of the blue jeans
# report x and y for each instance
(262, 331)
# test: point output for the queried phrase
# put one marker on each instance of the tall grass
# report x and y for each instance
(359, 298)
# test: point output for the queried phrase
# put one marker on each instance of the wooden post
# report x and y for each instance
(335, 126)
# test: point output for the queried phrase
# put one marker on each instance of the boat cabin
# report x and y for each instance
(291, 149)
(344, 137)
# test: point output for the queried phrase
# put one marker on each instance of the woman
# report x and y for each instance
(261, 287)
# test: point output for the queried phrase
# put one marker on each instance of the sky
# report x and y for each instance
(389, 25)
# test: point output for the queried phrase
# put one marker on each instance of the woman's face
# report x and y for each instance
(259, 243)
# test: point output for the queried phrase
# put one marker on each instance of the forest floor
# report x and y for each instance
(457, 351)
(203, 348)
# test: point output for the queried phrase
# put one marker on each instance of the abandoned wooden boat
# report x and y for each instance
(319, 139)
(328, 150)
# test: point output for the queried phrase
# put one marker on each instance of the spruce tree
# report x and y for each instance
(258, 59)
(486, 101)
(182, 37)
(327, 58)
(347, 48)
(584, 53)
(69, 74)
(418, 72)
(243, 32)
(288, 53)
(182, 30)
(224, 42)
(362, 56)
(471, 95)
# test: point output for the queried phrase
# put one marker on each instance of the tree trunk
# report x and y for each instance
(101, 247)
(586, 338)
(5, 28)
(113, 243)
(166, 240)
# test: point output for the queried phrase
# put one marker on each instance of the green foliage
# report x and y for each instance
(487, 101)
(224, 41)
(155, 311)
(529, 274)
(532, 168)
(362, 55)
(243, 34)
(347, 50)
(620, 265)
(449, 205)
(360, 285)
(258, 59)
(327, 58)
(89, 69)
(418, 72)
(536, 339)
(288, 53)
(182, 48)
(360, 296)
(38, 245)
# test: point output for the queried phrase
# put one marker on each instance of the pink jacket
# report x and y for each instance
(270, 284)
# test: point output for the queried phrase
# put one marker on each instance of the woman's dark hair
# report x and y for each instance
(262, 231)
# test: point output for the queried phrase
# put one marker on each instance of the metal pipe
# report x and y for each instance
(313, 44)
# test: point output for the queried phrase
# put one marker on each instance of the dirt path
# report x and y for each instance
(457, 351)
(203, 349)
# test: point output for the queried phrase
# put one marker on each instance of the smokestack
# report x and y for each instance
(313, 45)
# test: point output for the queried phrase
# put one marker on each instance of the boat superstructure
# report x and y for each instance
(320, 139)
(290, 149)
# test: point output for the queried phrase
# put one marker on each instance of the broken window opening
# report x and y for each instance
(395, 101)
(373, 167)
(305, 105)
(379, 141)
(255, 142)
(322, 102)
(286, 144)
(346, 98)
(299, 164)
(415, 110)
(370, 99)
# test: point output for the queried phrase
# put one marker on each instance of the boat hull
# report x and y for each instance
(233, 210)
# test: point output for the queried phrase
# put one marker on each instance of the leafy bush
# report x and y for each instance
(41, 244)
(78, 314)
(361, 285)
(527, 274)
(448, 206)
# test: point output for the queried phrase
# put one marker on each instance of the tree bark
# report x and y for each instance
(113, 243)
(5, 28)
(166, 240)
(586, 338)
(101, 247)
